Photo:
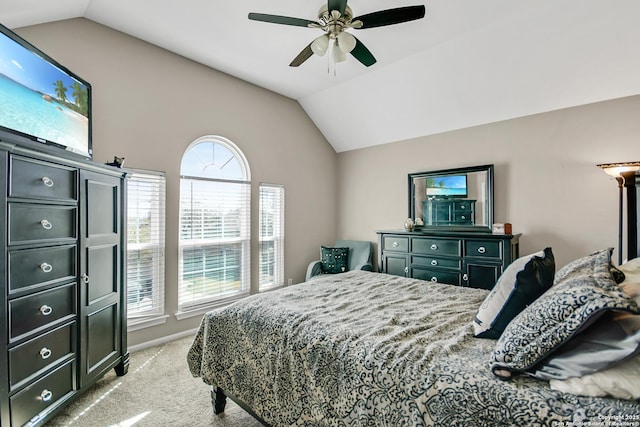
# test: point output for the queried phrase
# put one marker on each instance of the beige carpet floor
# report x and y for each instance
(158, 391)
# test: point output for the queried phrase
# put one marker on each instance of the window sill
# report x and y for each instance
(202, 309)
(145, 322)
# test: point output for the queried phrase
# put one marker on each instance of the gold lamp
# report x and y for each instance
(624, 173)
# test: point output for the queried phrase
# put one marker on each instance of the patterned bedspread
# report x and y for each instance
(369, 349)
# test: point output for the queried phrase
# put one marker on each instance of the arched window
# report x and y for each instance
(214, 241)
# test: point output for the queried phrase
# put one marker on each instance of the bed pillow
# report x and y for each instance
(522, 282)
(621, 381)
(631, 271)
(334, 260)
(584, 294)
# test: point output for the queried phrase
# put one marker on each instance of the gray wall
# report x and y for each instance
(546, 181)
(150, 104)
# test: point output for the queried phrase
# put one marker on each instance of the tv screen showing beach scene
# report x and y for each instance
(447, 186)
(41, 100)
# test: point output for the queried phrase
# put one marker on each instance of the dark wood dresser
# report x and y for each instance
(63, 281)
(473, 259)
(449, 212)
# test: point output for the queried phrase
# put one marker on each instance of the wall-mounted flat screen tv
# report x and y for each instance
(447, 186)
(40, 100)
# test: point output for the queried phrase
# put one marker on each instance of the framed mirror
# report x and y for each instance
(452, 199)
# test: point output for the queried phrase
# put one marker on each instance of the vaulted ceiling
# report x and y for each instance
(467, 63)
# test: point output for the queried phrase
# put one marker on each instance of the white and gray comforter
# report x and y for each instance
(369, 349)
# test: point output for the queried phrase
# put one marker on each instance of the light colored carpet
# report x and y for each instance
(158, 391)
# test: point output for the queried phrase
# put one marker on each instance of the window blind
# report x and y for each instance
(146, 193)
(271, 236)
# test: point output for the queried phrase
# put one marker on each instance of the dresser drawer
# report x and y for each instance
(395, 243)
(436, 246)
(454, 263)
(463, 217)
(463, 205)
(41, 309)
(40, 353)
(36, 180)
(40, 223)
(42, 394)
(30, 267)
(483, 248)
(449, 277)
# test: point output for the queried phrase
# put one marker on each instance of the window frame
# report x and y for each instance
(187, 308)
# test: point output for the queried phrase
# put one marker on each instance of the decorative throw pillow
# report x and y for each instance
(583, 295)
(523, 281)
(334, 260)
(580, 263)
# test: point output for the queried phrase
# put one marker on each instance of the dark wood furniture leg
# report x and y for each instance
(218, 399)
(123, 367)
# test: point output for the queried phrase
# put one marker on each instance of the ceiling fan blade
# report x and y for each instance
(277, 19)
(362, 54)
(302, 56)
(339, 5)
(391, 16)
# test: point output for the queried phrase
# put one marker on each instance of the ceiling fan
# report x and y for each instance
(334, 18)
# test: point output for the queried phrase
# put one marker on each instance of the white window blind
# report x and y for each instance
(271, 236)
(146, 192)
(215, 200)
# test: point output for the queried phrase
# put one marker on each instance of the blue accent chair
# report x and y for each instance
(360, 254)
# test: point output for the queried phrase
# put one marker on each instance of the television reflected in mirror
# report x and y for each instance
(452, 199)
(446, 186)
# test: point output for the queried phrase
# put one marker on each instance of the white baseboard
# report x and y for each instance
(162, 340)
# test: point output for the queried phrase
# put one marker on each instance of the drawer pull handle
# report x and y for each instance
(463, 217)
(482, 250)
(465, 277)
(46, 310)
(434, 279)
(406, 269)
(46, 395)
(434, 262)
(46, 224)
(45, 353)
(46, 267)
(48, 182)
(434, 247)
(395, 244)
(85, 278)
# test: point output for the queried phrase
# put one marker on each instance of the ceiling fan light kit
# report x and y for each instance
(334, 19)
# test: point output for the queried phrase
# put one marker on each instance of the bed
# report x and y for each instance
(370, 349)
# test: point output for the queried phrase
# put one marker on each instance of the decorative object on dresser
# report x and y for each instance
(453, 199)
(457, 258)
(625, 175)
(63, 285)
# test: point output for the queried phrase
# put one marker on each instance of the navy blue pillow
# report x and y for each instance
(334, 260)
(522, 282)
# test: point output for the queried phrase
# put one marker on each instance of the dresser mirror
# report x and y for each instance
(452, 199)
